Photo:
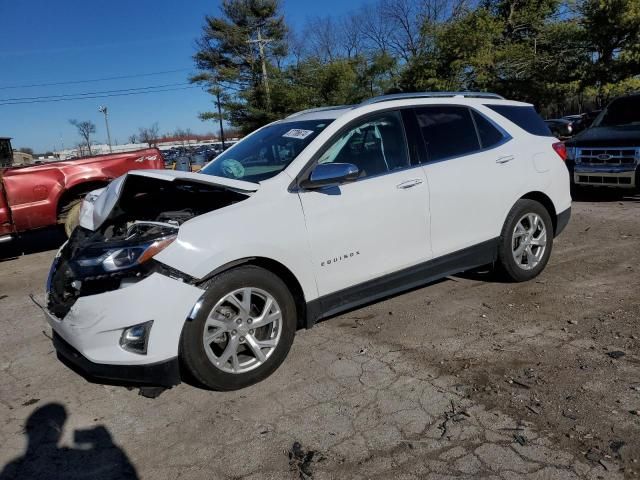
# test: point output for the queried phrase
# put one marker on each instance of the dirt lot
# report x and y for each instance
(467, 378)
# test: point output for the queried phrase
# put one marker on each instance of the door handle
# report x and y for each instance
(409, 183)
(505, 159)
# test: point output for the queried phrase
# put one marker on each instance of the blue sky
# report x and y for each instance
(45, 41)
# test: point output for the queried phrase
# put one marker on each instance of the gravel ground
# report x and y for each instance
(466, 378)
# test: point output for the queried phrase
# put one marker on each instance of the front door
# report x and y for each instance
(376, 225)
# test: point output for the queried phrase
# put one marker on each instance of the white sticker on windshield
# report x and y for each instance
(298, 133)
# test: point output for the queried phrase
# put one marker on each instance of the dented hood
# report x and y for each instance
(171, 175)
(99, 203)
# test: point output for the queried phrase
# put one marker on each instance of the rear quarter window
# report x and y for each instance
(489, 135)
(525, 117)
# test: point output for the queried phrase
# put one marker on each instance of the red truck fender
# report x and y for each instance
(43, 195)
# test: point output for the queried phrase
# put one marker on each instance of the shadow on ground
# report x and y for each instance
(604, 195)
(93, 456)
(36, 241)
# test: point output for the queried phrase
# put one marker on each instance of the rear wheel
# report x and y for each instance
(526, 241)
(243, 330)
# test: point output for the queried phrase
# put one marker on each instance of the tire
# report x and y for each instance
(513, 241)
(72, 217)
(228, 327)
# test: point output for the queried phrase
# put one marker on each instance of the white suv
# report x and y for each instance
(210, 274)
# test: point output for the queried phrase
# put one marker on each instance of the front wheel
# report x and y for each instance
(526, 241)
(243, 330)
(71, 217)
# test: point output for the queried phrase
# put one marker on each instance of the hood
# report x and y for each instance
(622, 136)
(99, 204)
(172, 175)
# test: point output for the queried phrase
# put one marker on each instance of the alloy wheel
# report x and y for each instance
(529, 241)
(242, 330)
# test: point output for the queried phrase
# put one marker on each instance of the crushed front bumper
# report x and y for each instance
(89, 334)
(163, 374)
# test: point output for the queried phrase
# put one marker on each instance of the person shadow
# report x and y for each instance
(94, 455)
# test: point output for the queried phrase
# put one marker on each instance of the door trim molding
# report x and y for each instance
(393, 283)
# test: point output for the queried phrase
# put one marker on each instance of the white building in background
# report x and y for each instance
(101, 149)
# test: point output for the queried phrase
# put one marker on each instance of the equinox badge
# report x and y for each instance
(339, 258)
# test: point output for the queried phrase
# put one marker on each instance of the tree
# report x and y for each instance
(149, 135)
(133, 138)
(238, 52)
(564, 56)
(85, 130)
(612, 37)
(218, 115)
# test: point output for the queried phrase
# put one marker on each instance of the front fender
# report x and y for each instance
(261, 226)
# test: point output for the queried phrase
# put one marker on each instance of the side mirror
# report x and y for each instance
(331, 175)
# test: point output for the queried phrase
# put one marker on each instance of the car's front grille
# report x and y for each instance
(607, 156)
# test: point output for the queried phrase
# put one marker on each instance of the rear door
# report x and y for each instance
(473, 173)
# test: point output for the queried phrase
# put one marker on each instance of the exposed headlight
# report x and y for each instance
(136, 338)
(126, 257)
(571, 153)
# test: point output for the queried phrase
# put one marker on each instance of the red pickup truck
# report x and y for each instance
(48, 194)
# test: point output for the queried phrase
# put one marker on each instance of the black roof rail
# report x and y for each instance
(401, 96)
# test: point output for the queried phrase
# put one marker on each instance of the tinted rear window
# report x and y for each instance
(447, 131)
(623, 111)
(525, 117)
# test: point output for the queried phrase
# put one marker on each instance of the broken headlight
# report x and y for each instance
(121, 258)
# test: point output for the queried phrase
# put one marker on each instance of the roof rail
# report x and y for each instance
(320, 109)
(401, 96)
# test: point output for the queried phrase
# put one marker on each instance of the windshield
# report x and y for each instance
(623, 111)
(267, 152)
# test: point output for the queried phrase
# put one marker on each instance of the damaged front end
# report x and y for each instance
(138, 217)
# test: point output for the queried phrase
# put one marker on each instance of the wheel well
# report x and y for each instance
(77, 192)
(281, 271)
(546, 203)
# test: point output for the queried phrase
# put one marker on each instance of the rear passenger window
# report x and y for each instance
(525, 117)
(447, 131)
(489, 135)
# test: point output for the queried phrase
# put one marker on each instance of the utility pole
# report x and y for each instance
(261, 43)
(103, 109)
(220, 116)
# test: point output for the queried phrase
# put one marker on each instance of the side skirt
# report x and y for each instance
(364, 293)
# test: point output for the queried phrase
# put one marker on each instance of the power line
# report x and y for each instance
(98, 96)
(73, 82)
(46, 97)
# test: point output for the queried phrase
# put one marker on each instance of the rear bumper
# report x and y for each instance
(562, 221)
(165, 374)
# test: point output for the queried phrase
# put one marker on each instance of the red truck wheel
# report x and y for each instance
(72, 219)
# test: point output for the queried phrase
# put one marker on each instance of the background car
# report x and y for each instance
(561, 127)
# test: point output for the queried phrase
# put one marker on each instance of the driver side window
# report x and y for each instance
(376, 146)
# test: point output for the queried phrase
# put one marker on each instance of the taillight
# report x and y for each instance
(560, 149)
